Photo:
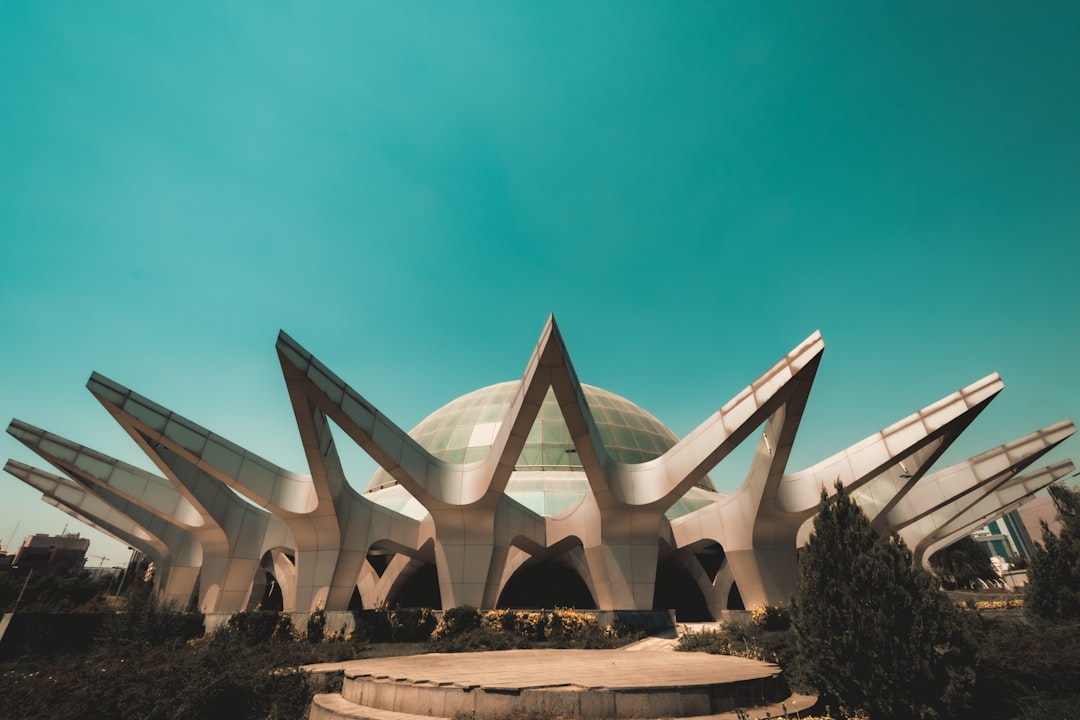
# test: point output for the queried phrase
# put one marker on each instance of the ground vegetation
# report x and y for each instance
(153, 661)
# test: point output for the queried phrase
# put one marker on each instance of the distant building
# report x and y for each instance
(52, 554)
(1040, 509)
(1006, 538)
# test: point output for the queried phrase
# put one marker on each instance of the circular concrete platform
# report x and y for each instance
(567, 683)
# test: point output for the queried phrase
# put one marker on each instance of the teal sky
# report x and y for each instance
(409, 190)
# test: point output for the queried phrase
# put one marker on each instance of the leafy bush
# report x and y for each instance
(257, 628)
(477, 639)
(963, 565)
(52, 594)
(579, 628)
(316, 625)
(412, 624)
(749, 641)
(530, 624)
(771, 617)
(456, 621)
(50, 634)
(1026, 670)
(223, 675)
(148, 622)
(1000, 603)
(466, 629)
(372, 626)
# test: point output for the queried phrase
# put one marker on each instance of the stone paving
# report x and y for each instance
(644, 679)
(519, 669)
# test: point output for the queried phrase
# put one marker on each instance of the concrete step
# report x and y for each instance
(335, 707)
(648, 682)
(331, 706)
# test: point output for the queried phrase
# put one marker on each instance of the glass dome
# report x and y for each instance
(464, 429)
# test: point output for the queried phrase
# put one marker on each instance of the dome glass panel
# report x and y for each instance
(464, 430)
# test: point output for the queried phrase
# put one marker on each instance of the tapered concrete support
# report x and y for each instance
(175, 552)
(995, 504)
(146, 499)
(151, 500)
(463, 499)
(329, 525)
(895, 458)
(344, 523)
(758, 525)
(943, 495)
(630, 500)
(233, 534)
(149, 491)
(277, 563)
(165, 582)
(760, 544)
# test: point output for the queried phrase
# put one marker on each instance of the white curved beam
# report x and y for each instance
(150, 491)
(235, 534)
(1000, 502)
(950, 491)
(758, 524)
(175, 552)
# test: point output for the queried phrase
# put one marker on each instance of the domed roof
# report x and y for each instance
(464, 429)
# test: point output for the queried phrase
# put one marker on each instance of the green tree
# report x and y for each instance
(963, 564)
(1053, 587)
(873, 632)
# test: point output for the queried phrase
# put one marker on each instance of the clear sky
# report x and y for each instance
(409, 189)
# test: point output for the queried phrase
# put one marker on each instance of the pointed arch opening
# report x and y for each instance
(266, 593)
(676, 589)
(734, 598)
(420, 589)
(546, 583)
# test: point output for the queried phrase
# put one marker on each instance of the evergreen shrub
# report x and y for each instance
(873, 632)
(1053, 587)
(457, 620)
(316, 625)
(412, 624)
(372, 626)
(256, 628)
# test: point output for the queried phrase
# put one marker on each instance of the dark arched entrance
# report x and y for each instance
(546, 584)
(421, 589)
(734, 598)
(676, 589)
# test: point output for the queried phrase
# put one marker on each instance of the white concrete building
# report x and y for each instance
(537, 491)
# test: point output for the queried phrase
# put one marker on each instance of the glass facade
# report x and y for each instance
(548, 477)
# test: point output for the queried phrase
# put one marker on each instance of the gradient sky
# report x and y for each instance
(409, 190)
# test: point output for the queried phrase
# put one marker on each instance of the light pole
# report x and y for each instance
(25, 583)
(123, 575)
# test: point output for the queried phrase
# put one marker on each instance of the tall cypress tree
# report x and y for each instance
(873, 632)
(1053, 587)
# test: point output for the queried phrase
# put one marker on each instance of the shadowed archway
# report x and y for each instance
(546, 584)
(676, 590)
(421, 589)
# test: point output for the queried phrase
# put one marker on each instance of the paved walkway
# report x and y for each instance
(519, 669)
(668, 640)
(661, 641)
